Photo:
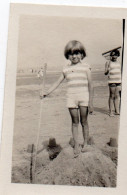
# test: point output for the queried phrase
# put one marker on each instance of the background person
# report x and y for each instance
(113, 70)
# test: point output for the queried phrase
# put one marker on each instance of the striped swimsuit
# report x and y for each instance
(114, 72)
(77, 84)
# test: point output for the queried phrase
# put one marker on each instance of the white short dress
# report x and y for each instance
(114, 72)
(77, 84)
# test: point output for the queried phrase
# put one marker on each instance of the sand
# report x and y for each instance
(91, 168)
(56, 122)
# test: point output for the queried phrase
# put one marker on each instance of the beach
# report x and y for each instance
(51, 118)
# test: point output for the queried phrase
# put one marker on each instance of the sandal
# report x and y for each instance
(76, 153)
(86, 148)
(116, 113)
(111, 114)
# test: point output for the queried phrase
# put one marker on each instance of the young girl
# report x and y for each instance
(113, 69)
(79, 92)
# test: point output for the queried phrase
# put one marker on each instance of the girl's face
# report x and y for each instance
(114, 58)
(75, 57)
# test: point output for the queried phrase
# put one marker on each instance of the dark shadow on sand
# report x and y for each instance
(101, 110)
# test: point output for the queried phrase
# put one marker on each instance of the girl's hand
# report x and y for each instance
(106, 73)
(90, 108)
(42, 95)
(107, 68)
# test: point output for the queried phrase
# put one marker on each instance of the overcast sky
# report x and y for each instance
(42, 39)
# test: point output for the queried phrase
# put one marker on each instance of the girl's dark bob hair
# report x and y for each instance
(74, 46)
(115, 53)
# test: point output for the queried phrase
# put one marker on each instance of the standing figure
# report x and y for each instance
(79, 91)
(40, 73)
(113, 69)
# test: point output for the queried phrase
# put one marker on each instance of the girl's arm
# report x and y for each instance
(106, 68)
(55, 85)
(90, 87)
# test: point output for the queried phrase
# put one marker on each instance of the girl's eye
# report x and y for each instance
(75, 53)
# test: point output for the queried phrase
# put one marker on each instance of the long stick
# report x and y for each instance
(44, 77)
(31, 164)
(110, 50)
(39, 125)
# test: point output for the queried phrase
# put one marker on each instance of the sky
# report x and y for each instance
(43, 39)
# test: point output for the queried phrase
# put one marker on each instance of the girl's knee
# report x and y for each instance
(117, 95)
(75, 124)
(84, 122)
(112, 95)
(75, 120)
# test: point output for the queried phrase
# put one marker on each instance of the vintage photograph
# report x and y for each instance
(67, 101)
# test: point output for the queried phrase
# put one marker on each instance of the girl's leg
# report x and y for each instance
(112, 90)
(75, 122)
(117, 100)
(84, 123)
